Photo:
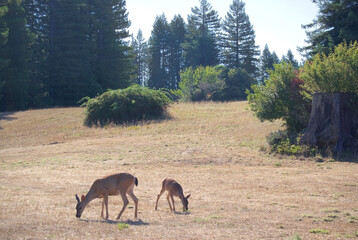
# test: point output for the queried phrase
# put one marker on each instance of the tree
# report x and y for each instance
(109, 30)
(176, 60)
(70, 73)
(337, 21)
(159, 54)
(239, 46)
(201, 45)
(16, 50)
(267, 62)
(289, 58)
(4, 32)
(141, 54)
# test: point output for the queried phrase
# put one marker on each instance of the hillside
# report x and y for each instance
(213, 149)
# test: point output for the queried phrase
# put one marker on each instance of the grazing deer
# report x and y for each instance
(174, 189)
(117, 184)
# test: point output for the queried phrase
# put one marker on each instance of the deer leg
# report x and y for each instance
(173, 202)
(105, 200)
(102, 208)
(161, 192)
(125, 203)
(135, 199)
(169, 202)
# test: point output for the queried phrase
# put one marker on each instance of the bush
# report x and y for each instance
(132, 104)
(337, 72)
(280, 98)
(200, 84)
(284, 142)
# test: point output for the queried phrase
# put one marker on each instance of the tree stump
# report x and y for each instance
(333, 122)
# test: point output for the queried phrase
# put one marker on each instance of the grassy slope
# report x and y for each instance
(212, 149)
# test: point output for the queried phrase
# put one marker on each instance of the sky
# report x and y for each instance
(277, 23)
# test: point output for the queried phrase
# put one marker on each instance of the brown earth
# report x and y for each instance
(215, 150)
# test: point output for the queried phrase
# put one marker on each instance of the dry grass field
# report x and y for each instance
(215, 150)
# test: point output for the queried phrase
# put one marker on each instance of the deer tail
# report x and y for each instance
(136, 181)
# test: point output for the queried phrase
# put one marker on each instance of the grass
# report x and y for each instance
(212, 149)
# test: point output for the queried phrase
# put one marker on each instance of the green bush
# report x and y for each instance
(337, 72)
(200, 84)
(128, 105)
(279, 98)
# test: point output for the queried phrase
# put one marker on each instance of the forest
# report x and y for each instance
(56, 52)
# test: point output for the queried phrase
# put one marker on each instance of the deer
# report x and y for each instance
(174, 189)
(116, 184)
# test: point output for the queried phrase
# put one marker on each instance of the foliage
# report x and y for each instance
(336, 72)
(237, 81)
(267, 62)
(140, 61)
(240, 50)
(284, 142)
(279, 98)
(132, 104)
(336, 22)
(200, 84)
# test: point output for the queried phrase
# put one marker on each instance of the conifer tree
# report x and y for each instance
(239, 46)
(70, 72)
(267, 62)
(141, 54)
(15, 74)
(201, 45)
(4, 31)
(159, 54)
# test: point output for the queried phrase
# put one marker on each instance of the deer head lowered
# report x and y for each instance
(174, 189)
(117, 184)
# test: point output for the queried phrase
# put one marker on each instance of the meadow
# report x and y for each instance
(217, 151)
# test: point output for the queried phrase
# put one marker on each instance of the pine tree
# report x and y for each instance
(201, 45)
(37, 22)
(336, 22)
(289, 58)
(267, 62)
(141, 54)
(240, 50)
(176, 60)
(4, 31)
(16, 51)
(111, 60)
(159, 54)
(70, 72)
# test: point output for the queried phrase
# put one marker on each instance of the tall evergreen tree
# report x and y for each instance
(267, 62)
(239, 46)
(141, 54)
(176, 60)
(159, 54)
(70, 72)
(16, 51)
(37, 18)
(111, 52)
(289, 58)
(201, 45)
(4, 31)
(336, 22)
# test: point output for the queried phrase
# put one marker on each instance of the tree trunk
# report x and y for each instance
(333, 122)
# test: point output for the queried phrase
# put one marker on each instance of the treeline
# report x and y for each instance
(55, 52)
(203, 40)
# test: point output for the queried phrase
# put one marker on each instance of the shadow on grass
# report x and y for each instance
(138, 222)
(6, 116)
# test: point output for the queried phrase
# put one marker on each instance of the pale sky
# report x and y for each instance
(276, 22)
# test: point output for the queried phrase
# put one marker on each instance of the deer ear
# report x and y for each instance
(77, 198)
(188, 196)
(83, 198)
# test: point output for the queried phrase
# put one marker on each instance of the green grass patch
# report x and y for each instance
(123, 226)
(319, 231)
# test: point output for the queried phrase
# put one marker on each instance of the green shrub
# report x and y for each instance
(200, 84)
(284, 142)
(337, 72)
(279, 98)
(132, 104)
